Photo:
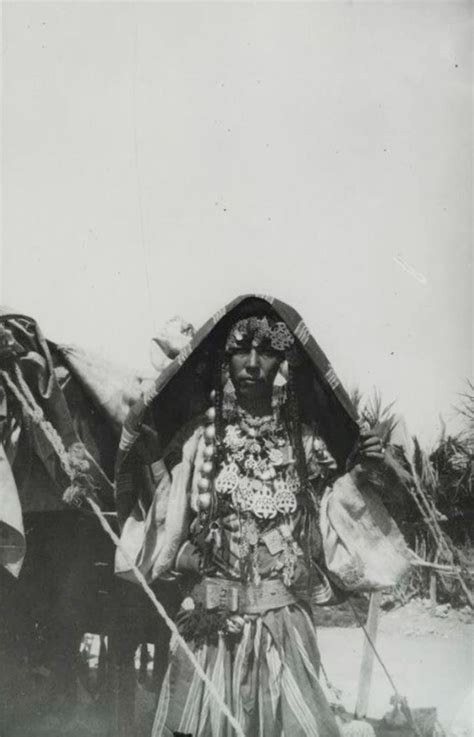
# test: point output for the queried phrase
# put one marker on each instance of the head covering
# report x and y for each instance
(182, 390)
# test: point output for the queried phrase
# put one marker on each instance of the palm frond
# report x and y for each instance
(379, 417)
(466, 410)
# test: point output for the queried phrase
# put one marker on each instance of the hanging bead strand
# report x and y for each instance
(206, 471)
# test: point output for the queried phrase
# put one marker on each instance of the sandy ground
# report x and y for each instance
(430, 659)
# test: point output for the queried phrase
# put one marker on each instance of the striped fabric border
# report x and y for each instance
(127, 439)
(297, 703)
(266, 297)
(270, 682)
(302, 332)
(332, 378)
(150, 393)
(185, 353)
(322, 593)
(217, 316)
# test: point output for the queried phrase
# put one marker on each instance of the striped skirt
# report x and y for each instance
(268, 679)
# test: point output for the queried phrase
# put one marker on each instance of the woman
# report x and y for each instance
(242, 437)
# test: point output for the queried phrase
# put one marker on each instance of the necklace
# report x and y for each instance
(257, 474)
(254, 420)
(254, 425)
(258, 479)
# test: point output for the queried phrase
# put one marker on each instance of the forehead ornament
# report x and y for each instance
(258, 330)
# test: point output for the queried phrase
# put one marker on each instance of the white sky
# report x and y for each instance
(163, 158)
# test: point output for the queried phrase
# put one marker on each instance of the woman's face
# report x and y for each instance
(253, 370)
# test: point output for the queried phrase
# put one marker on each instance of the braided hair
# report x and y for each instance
(295, 425)
(218, 382)
(307, 528)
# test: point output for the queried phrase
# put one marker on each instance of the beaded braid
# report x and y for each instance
(294, 417)
(218, 401)
(307, 527)
(213, 435)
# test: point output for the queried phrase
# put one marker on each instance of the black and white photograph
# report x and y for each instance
(236, 353)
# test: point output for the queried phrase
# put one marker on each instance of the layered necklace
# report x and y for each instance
(258, 478)
(257, 474)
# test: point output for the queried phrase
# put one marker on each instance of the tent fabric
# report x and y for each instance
(12, 533)
(85, 400)
(112, 389)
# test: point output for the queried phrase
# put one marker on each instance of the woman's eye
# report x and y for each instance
(242, 350)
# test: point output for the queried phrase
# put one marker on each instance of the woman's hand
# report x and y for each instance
(371, 447)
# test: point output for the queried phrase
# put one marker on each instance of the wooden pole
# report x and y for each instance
(433, 585)
(433, 600)
(366, 668)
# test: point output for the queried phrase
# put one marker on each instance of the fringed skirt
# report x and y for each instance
(268, 678)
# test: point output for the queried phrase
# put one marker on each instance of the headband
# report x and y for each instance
(258, 331)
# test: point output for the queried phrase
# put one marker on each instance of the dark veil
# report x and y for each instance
(181, 394)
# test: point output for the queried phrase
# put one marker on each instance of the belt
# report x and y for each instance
(214, 593)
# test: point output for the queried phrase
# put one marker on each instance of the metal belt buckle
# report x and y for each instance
(221, 594)
(252, 597)
(212, 594)
(233, 598)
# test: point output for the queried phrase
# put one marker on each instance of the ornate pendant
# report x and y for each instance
(227, 480)
(243, 495)
(292, 480)
(275, 456)
(284, 499)
(263, 504)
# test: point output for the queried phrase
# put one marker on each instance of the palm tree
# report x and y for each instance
(438, 488)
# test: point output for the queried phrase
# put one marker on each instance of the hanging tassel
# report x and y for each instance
(214, 536)
(74, 495)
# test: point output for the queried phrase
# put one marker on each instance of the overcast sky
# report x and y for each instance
(163, 158)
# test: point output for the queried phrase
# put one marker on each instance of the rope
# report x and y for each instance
(336, 692)
(51, 433)
(168, 621)
(36, 414)
(376, 653)
(32, 409)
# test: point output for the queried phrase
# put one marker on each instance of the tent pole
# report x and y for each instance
(367, 664)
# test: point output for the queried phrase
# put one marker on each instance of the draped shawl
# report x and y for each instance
(181, 393)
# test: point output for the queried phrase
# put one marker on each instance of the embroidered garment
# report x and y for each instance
(154, 541)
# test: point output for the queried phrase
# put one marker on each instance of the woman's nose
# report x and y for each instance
(253, 360)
